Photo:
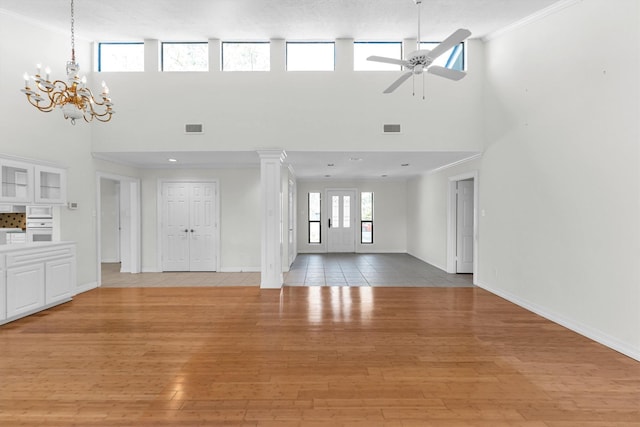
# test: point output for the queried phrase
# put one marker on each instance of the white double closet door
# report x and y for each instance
(189, 226)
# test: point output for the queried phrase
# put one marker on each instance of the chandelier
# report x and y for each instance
(73, 97)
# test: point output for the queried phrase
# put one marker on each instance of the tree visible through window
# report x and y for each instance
(245, 56)
(185, 56)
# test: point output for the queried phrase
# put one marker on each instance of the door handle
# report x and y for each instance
(329, 222)
(192, 231)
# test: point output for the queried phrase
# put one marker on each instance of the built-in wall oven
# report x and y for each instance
(39, 223)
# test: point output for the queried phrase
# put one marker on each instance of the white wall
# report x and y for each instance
(110, 219)
(239, 215)
(389, 215)
(427, 197)
(309, 111)
(560, 180)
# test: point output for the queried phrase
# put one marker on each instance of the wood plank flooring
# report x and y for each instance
(307, 356)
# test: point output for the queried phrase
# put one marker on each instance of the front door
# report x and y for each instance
(341, 236)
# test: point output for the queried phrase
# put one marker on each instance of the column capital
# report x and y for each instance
(275, 153)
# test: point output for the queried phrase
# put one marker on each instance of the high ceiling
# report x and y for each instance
(193, 20)
(256, 20)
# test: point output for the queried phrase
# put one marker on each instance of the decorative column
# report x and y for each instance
(271, 212)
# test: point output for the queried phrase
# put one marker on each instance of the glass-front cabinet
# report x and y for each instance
(17, 179)
(50, 185)
(25, 182)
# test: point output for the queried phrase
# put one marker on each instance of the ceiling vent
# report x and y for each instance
(194, 128)
(391, 129)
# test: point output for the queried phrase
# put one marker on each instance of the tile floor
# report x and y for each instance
(370, 270)
(400, 270)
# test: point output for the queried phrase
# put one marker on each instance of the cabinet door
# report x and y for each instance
(50, 185)
(60, 275)
(3, 296)
(17, 182)
(25, 289)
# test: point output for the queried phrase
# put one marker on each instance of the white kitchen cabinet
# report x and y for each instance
(50, 185)
(25, 289)
(59, 276)
(35, 276)
(3, 291)
(17, 181)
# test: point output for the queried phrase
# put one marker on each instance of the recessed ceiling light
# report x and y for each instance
(172, 160)
(327, 176)
(330, 164)
(355, 159)
(404, 164)
(384, 176)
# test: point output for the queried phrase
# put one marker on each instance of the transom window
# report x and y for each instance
(363, 50)
(185, 56)
(121, 56)
(310, 56)
(246, 56)
(453, 58)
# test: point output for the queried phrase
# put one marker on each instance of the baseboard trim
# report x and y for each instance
(584, 330)
(150, 270)
(86, 287)
(240, 270)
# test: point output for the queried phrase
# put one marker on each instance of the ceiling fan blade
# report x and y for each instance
(398, 82)
(447, 73)
(451, 41)
(388, 60)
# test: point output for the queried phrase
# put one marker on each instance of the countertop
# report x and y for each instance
(34, 245)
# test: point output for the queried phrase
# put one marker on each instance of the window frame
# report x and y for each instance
(318, 221)
(182, 71)
(463, 54)
(242, 42)
(286, 59)
(366, 221)
(118, 43)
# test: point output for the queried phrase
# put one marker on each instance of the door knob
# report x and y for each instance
(192, 231)
(186, 230)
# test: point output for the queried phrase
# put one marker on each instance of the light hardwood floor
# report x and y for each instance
(307, 356)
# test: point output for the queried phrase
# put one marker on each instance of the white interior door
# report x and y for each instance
(341, 235)
(175, 226)
(464, 227)
(202, 227)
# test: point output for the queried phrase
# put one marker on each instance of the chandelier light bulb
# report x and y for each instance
(26, 78)
(38, 69)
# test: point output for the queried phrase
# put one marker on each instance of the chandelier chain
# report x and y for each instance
(73, 36)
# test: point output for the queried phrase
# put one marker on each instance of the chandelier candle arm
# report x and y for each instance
(72, 97)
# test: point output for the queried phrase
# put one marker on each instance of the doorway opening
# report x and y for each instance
(462, 224)
(118, 223)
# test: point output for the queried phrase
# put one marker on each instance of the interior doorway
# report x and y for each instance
(118, 223)
(462, 224)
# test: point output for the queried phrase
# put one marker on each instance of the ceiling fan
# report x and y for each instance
(422, 59)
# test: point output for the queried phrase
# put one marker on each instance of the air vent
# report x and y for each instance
(193, 128)
(395, 129)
